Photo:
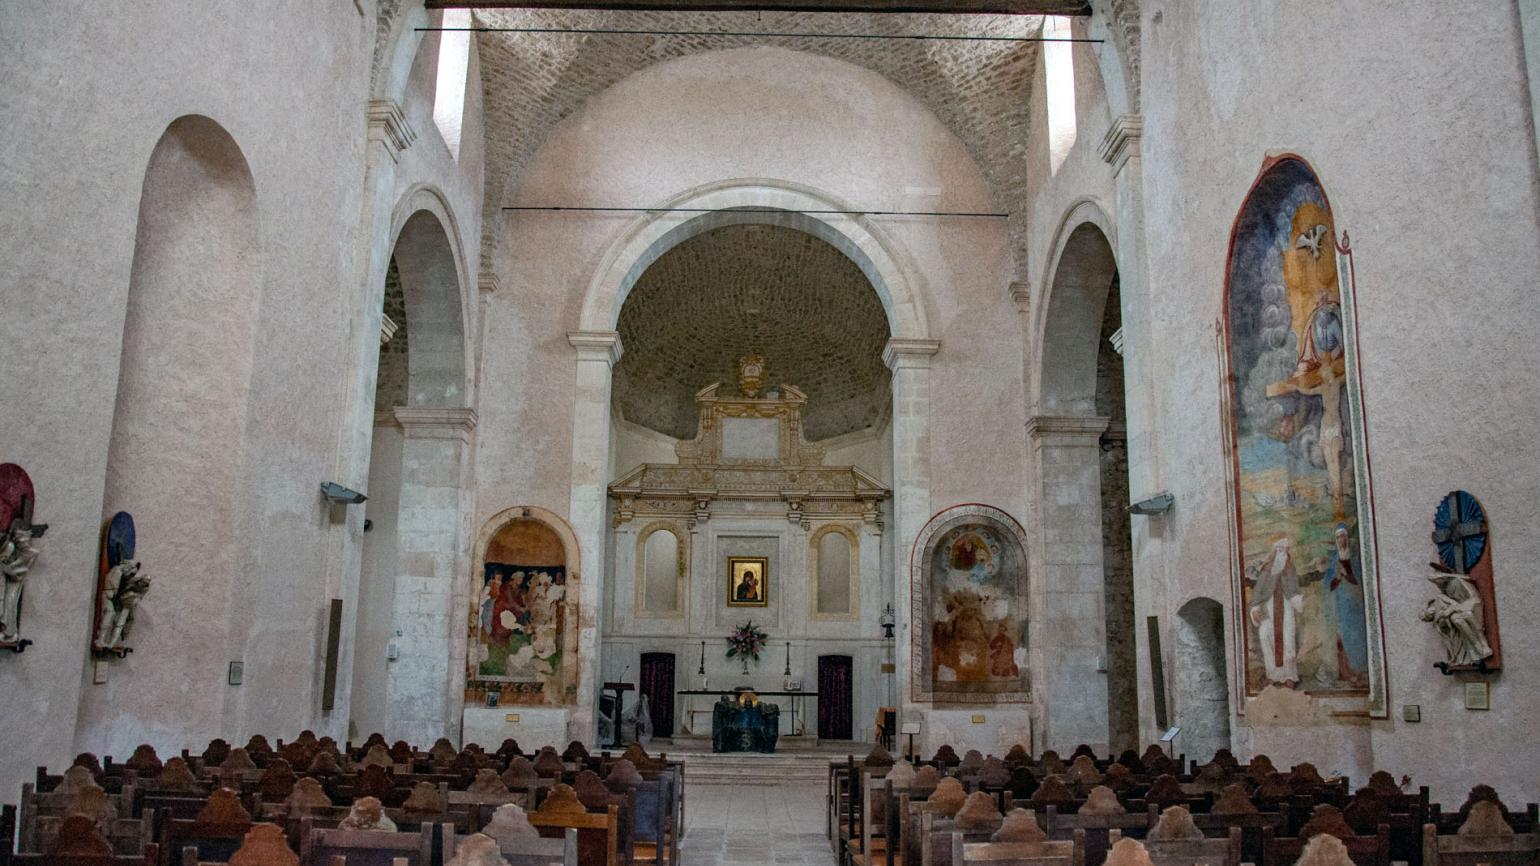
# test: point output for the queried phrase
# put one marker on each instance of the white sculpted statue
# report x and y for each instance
(124, 587)
(1457, 614)
(18, 550)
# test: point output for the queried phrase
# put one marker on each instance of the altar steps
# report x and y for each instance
(799, 761)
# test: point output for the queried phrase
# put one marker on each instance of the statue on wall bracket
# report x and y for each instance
(18, 550)
(1465, 609)
(121, 585)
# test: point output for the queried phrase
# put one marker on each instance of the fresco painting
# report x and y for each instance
(970, 591)
(520, 642)
(1303, 586)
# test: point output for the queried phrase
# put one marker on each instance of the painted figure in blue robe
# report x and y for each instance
(1347, 592)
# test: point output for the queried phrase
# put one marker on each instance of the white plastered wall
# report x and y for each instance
(1409, 146)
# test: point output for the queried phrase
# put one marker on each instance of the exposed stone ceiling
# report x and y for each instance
(750, 288)
(978, 89)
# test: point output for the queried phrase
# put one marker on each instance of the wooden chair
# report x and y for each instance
(1251, 826)
(1201, 852)
(1060, 853)
(655, 835)
(265, 845)
(80, 844)
(367, 847)
(1097, 828)
(1363, 850)
(529, 852)
(598, 834)
(869, 842)
(216, 833)
(1520, 849)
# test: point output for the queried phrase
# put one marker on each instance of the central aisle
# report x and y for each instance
(744, 825)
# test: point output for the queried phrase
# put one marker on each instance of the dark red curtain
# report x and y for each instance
(834, 702)
(658, 685)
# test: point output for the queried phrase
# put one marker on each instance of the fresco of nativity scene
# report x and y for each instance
(970, 597)
(520, 648)
(1295, 447)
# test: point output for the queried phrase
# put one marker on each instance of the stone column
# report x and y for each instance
(1068, 631)
(910, 362)
(1120, 149)
(597, 353)
(423, 686)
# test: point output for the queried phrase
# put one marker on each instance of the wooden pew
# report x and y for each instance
(1520, 849)
(1202, 852)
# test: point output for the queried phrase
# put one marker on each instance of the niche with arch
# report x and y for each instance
(523, 625)
(662, 552)
(834, 554)
(184, 382)
(1202, 693)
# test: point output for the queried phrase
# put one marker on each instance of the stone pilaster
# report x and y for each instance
(423, 685)
(597, 354)
(1068, 630)
(1120, 148)
(910, 362)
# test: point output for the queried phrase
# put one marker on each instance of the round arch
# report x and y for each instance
(394, 65)
(1201, 688)
(555, 522)
(425, 242)
(1068, 322)
(760, 202)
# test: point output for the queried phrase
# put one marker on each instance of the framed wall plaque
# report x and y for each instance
(748, 581)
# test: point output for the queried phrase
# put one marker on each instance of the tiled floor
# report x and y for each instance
(740, 825)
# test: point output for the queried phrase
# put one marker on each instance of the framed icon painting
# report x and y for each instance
(748, 581)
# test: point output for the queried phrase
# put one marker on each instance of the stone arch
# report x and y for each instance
(763, 202)
(1067, 326)
(426, 248)
(398, 53)
(179, 422)
(1200, 688)
(553, 521)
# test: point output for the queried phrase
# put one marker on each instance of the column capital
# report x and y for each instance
(388, 125)
(596, 345)
(902, 352)
(1122, 140)
(435, 422)
(1066, 428)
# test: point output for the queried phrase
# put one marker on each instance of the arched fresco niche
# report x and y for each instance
(968, 578)
(523, 618)
(1306, 590)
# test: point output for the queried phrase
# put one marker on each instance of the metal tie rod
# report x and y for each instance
(750, 34)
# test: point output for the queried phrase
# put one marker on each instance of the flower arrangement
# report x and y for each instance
(747, 640)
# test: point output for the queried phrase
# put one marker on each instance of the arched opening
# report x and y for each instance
(1201, 691)
(179, 423)
(1080, 444)
(414, 540)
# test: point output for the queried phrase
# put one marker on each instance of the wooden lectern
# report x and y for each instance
(620, 690)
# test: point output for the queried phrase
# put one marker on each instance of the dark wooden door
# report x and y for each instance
(658, 686)
(834, 698)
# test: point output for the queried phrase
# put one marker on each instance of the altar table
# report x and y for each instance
(740, 727)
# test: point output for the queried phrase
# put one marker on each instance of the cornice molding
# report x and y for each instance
(1066, 427)
(902, 352)
(1121, 142)
(597, 345)
(489, 284)
(389, 126)
(436, 422)
(1021, 293)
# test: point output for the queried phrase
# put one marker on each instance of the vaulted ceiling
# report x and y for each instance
(978, 89)
(770, 290)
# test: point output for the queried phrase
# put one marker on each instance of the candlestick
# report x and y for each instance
(702, 671)
(788, 659)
